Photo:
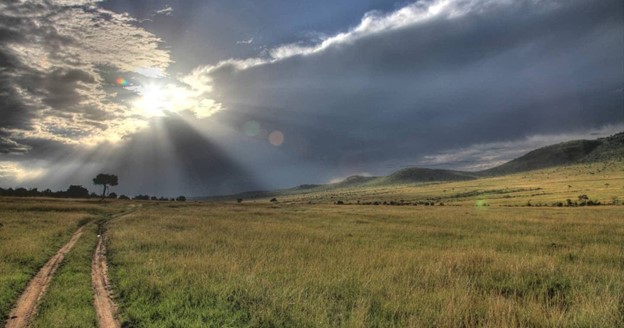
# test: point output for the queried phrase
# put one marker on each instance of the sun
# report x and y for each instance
(153, 101)
(159, 100)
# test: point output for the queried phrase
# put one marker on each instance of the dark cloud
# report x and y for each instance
(8, 146)
(501, 72)
(204, 32)
(62, 88)
(427, 83)
(51, 83)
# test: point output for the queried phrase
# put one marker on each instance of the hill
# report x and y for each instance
(417, 174)
(565, 153)
(562, 154)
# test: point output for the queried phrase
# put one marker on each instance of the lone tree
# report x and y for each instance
(105, 180)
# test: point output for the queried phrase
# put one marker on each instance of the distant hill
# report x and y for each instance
(417, 174)
(403, 176)
(565, 153)
(353, 181)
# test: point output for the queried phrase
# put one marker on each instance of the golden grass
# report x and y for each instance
(602, 182)
(304, 262)
(355, 266)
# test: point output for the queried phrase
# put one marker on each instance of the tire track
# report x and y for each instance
(26, 307)
(105, 308)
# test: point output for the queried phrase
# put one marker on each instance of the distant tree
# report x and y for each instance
(124, 197)
(112, 195)
(105, 180)
(77, 191)
(181, 199)
(154, 198)
(239, 200)
(21, 192)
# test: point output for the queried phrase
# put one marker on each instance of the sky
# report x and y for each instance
(202, 97)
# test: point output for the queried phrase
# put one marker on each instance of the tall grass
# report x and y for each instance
(252, 265)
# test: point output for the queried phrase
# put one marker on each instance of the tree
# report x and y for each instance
(105, 180)
(77, 191)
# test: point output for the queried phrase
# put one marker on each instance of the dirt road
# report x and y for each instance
(26, 306)
(104, 305)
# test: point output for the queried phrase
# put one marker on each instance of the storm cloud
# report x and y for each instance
(460, 84)
(404, 85)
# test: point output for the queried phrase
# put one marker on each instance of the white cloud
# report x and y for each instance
(167, 11)
(248, 41)
(65, 51)
(16, 173)
(372, 22)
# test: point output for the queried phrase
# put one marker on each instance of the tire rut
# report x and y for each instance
(105, 307)
(26, 307)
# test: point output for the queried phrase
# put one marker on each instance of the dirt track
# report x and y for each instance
(26, 306)
(104, 306)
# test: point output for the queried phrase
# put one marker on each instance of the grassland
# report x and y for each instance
(484, 259)
(603, 182)
(353, 266)
(68, 301)
(31, 231)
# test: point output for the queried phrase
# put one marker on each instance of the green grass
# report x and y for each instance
(216, 265)
(304, 262)
(68, 301)
(32, 230)
(29, 236)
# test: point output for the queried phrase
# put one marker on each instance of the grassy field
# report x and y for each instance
(603, 182)
(68, 301)
(30, 232)
(485, 259)
(354, 266)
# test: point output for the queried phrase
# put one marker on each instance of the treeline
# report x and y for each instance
(77, 191)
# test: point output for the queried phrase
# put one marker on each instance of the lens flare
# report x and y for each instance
(480, 203)
(276, 138)
(121, 81)
(251, 128)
